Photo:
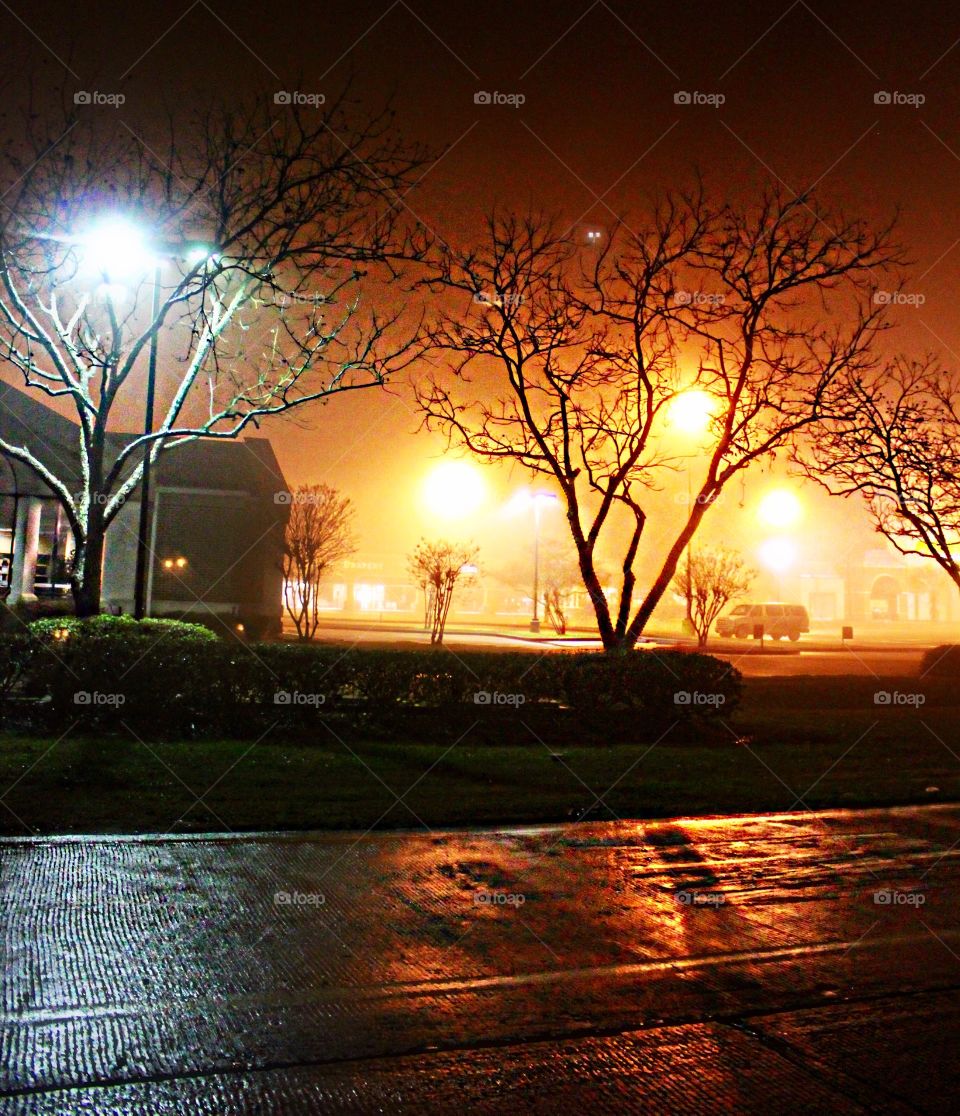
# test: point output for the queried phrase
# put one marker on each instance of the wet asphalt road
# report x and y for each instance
(809, 657)
(719, 965)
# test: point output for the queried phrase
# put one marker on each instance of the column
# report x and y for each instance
(26, 542)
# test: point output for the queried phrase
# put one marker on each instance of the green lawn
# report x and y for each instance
(821, 739)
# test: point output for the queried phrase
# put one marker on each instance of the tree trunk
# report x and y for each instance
(87, 579)
(669, 568)
(595, 592)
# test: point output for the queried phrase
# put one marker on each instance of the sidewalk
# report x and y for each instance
(720, 964)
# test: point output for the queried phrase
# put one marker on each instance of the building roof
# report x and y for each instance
(26, 421)
(234, 465)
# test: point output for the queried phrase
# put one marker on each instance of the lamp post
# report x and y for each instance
(689, 414)
(118, 250)
(779, 556)
(539, 499)
(140, 579)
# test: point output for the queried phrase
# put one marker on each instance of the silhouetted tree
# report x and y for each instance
(582, 355)
(319, 532)
(709, 580)
(892, 436)
(437, 567)
(263, 225)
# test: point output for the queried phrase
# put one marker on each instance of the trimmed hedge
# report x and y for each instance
(942, 661)
(159, 678)
(104, 626)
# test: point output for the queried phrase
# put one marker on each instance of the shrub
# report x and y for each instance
(661, 685)
(103, 671)
(177, 679)
(16, 653)
(941, 662)
(105, 626)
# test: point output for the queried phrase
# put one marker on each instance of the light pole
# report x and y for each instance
(690, 414)
(539, 499)
(118, 250)
(779, 556)
(689, 585)
(140, 579)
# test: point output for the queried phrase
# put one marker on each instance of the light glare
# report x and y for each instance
(691, 411)
(117, 249)
(780, 508)
(454, 490)
(778, 555)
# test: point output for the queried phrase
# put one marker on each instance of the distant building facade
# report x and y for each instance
(215, 526)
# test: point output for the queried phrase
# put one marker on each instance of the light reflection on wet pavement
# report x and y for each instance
(803, 962)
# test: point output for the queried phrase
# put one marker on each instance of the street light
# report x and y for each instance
(539, 500)
(120, 252)
(780, 508)
(454, 489)
(117, 249)
(690, 412)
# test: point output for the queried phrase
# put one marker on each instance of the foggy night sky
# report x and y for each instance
(599, 129)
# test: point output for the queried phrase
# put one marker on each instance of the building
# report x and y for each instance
(216, 524)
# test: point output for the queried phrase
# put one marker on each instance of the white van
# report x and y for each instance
(778, 620)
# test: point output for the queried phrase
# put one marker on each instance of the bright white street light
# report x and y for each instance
(117, 249)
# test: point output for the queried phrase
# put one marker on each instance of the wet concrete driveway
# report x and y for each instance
(796, 963)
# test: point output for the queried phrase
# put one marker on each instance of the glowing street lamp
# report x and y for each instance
(780, 508)
(691, 411)
(117, 249)
(454, 490)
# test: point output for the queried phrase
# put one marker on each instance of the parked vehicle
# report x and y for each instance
(778, 620)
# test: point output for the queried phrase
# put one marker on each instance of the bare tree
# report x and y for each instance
(893, 437)
(266, 226)
(709, 580)
(319, 532)
(559, 580)
(437, 567)
(581, 357)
